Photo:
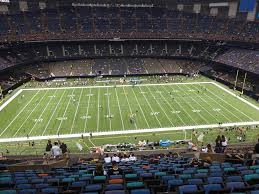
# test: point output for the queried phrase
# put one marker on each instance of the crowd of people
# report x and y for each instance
(55, 150)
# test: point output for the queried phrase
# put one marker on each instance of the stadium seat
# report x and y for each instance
(28, 191)
(188, 189)
(212, 187)
(215, 180)
(7, 191)
(115, 192)
(93, 187)
(140, 191)
(114, 187)
(50, 190)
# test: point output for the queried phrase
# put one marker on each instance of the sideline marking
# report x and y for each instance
(67, 136)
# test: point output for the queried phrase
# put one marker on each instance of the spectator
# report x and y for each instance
(209, 149)
(116, 158)
(256, 148)
(115, 170)
(55, 150)
(99, 170)
(107, 159)
(218, 146)
(63, 147)
(49, 146)
(125, 158)
(132, 157)
(224, 143)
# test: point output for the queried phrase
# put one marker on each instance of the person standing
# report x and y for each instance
(55, 150)
(48, 146)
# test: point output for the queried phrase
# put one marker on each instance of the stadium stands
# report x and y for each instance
(155, 174)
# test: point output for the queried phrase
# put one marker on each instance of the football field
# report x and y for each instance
(42, 113)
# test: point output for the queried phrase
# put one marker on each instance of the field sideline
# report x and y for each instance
(49, 113)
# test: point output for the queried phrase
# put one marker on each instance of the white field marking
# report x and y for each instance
(223, 113)
(29, 116)
(87, 110)
(119, 109)
(42, 112)
(161, 106)
(129, 106)
(73, 123)
(193, 109)
(164, 84)
(231, 105)
(53, 112)
(183, 109)
(64, 113)
(150, 107)
(98, 111)
(238, 97)
(89, 139)
(140, 108)
(18, 113)
(10, 100)
(172, 108)
(68, 136)
(109, 109)
(201, 105)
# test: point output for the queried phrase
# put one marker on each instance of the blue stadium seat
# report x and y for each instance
(114, 187)
(215, 180)
(187, 189)
(140, 191)
(28, 191)
(212, 187)
(51, 190)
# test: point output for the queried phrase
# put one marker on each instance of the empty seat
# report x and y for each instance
(212, 187)
(140, 191)
(188, 189)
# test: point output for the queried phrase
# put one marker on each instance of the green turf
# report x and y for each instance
(80, 110)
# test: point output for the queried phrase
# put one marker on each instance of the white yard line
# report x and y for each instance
(160, 106)
(164, 84)
(29, 116)
(53, 112)
(78, 103)
(218, 104)
(238, 97)
(98, 111)
(190, 105)
(10, 100)
(109, 109)
(64, 113)
(119, 109)
(231, 105)
(150, 106)
(43, 111)
(129, 105)
(183, 109)
(140, 108)
(87, 110)
(215, 118)
(19, 112)
(67, 136)
(171, 108)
